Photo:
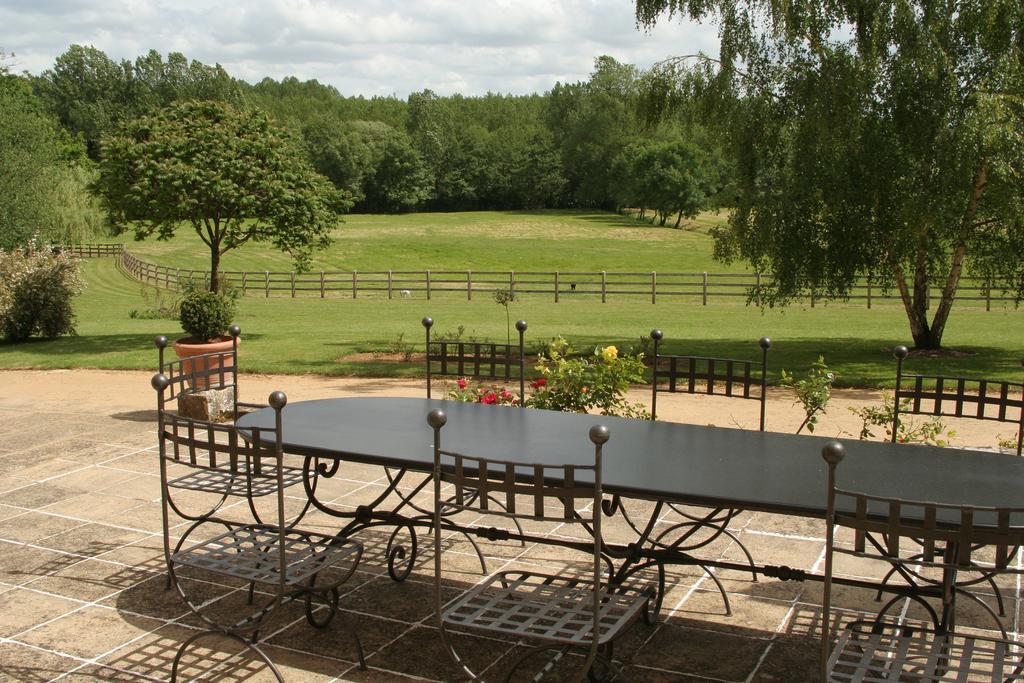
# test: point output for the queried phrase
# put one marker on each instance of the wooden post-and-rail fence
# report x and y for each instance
(702, 287)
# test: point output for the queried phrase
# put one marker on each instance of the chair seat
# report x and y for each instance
(252, 553)
(224, 481)
(555, 608)
(891, 652)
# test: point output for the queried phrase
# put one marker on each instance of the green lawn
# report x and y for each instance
(484, 240)
(316, 335)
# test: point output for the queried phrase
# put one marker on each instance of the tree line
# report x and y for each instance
(568, 147)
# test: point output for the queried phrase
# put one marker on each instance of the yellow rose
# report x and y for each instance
(609, 353)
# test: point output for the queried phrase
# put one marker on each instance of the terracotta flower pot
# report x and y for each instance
(188, 348)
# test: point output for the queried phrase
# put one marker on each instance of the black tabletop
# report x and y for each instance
(657, 460)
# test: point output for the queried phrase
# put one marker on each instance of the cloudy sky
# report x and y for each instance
(368, 47)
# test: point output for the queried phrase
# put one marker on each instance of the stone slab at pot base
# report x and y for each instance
(212, 405)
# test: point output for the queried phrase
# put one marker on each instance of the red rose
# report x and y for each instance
(505, 393)
(538, 383)
(489, 398)
(462, 383)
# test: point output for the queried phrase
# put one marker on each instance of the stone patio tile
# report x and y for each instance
(336, 641)
(89, 580)
(790, 659)
(804, 527)
(29, 468)
(375, 675)
(140, 462)
(20, 564)
(36, 496)
(91, 539)
(8, 511)
(21, 609)
(694, 651)
(409, 600)
(150, 597)
(139, 487)
(151, 656)
(89, 632)
(31, 527)
(90, 478)
(94, 672)
(704, 609)
(421, 653)
(775, 550)
(96, 507)
(146, 553)
(20, 664)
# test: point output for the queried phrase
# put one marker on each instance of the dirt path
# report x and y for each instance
(128, 392)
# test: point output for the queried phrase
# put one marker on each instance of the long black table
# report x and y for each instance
(665, 462)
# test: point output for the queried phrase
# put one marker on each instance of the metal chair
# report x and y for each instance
(476, 360)
(551, 611)
(888, 649)
(741, 379)
(209, 371)
(956, 397)
(728, 377)
(220, 371)
(273, 553)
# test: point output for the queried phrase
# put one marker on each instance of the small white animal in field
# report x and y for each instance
(406, 293)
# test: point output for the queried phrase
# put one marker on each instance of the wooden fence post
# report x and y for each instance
(469, 285)
(869, 294)
(293, 284)
(704, 290)
(556, 286)
(390, 283)
(428, 285)
(322, 285)
(354, 286)
(654, 287)
(757, 288)
(266, 283)
(604, 286)
(512, 281)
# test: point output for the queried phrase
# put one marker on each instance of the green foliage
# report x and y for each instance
(37, 286)
(582, 384)
(230, 174)
(92, 94)
(813, 391)
(43, 174)
(504, 297)
(931, 431)
(673, 177)
(206, 315)
(869, 138)
(399, 345)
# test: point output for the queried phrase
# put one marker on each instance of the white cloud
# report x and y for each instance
(369, 47)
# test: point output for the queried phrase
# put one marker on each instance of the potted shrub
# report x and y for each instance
(205, 317)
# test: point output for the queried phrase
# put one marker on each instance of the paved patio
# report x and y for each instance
(82, 576)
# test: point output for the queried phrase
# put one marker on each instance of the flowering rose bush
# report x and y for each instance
(582, 384)
(487, 394)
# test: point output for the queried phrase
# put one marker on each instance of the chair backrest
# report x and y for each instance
(730, 377)
(207, 371)
(978, 399)
(570, 494)
(217, 446)
(476, 360)
(938, 535)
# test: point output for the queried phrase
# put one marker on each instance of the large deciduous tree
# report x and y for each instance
(229, 173)
(872, 137)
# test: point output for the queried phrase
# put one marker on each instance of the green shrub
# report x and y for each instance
(207, 315)
(37, 286)
(579, 385)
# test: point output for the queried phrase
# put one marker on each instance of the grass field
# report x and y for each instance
(317, 335)
(485, 240)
